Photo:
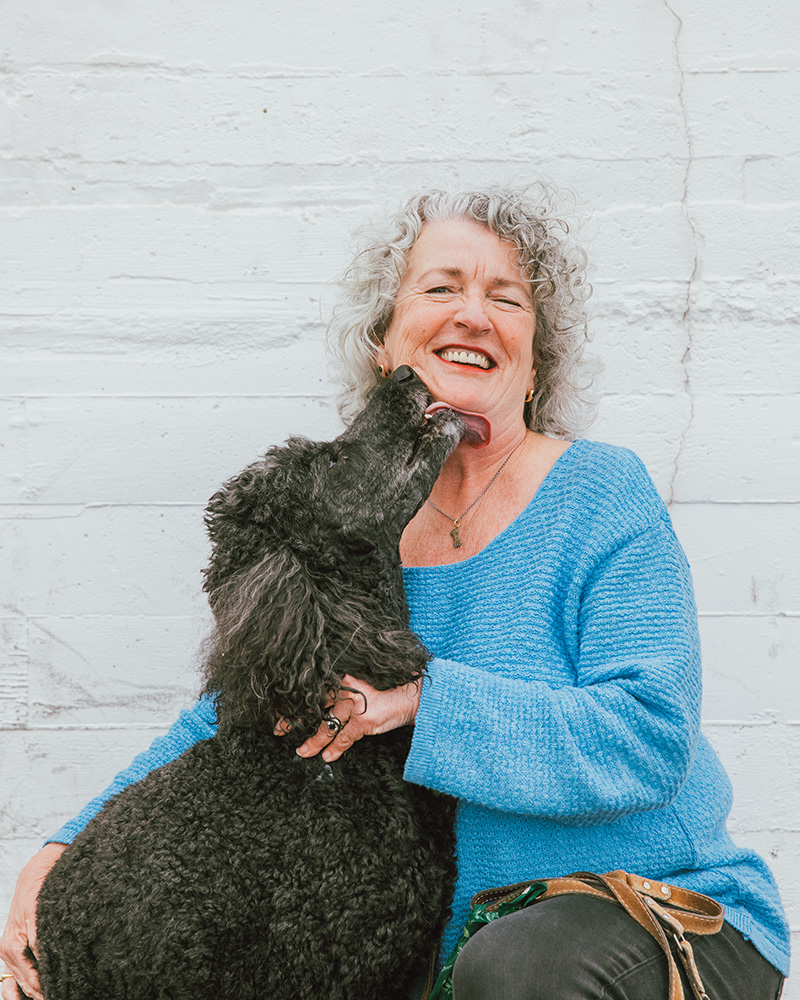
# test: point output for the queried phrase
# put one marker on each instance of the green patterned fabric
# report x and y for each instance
(482, 913)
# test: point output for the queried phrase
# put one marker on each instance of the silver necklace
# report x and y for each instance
(457, 520)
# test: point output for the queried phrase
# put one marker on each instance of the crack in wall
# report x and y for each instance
(687, 319)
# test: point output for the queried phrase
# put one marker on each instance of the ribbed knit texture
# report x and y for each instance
(563, 706)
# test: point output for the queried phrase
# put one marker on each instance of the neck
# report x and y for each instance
(480, 492)
(468, 469)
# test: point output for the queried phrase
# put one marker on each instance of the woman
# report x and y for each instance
(562, 707)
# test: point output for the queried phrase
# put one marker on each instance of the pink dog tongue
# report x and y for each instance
(479, 430)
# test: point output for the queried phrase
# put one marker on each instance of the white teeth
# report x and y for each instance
(465, 358)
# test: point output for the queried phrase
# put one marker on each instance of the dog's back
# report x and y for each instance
(241, 870)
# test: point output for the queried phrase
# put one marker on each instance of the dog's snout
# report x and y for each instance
(403, 374)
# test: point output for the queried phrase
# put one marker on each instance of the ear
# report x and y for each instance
(267, 658)
(241, 498)
(382, 358)
(236, 518)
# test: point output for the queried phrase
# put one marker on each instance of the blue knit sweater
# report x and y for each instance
(563, 704)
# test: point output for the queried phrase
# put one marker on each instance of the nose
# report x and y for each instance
(471, 313)
(403, 374)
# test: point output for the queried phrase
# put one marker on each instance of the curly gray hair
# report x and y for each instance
(554, 266)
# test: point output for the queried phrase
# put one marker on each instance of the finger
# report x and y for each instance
(340, 710)
(282, 728)
(30, 990)
(344, 740)
(31, 984)
(319, 741)
(28, 985)
(33, 942)
(19, 968)
(18, 986)
(23, 973)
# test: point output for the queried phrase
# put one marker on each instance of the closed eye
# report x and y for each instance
(508, 302)
(439, 290)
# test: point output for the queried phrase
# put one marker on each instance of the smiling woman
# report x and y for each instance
(483, 294)
(539, 269)
(465, 320)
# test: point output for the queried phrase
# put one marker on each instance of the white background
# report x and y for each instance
(179, 180)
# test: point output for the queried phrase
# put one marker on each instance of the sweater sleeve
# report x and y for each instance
(620, 738)
(192, 725)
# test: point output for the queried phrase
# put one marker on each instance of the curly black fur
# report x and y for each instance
(240, 870)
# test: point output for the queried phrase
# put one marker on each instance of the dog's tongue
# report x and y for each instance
(479, 430)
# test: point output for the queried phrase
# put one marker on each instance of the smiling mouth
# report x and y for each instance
(474, 359)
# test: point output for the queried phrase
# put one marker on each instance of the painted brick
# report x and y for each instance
(112, 669)
(745, 557)
(747, 242)
(741, 448)
(14, 672)
(66, 768)
(771, 179)
(144, 449)
(769, 750)
(105, 560)
(334, 119)
(363, 38)
(748, 661)
(241, 357)
(718, 37)
(101, 255)
(727, 117)
(358, 188)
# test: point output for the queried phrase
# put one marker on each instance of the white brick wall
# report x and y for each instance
(179, 180)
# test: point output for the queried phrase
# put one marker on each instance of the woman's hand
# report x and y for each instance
(20, 930)
(363, 711)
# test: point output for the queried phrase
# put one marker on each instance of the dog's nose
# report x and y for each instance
(403, 374)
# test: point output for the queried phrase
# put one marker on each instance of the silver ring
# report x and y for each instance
(335, 726)
(6, 975)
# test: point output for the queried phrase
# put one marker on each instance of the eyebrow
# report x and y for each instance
(495, 282)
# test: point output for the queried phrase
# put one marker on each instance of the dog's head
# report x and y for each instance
(304, 579)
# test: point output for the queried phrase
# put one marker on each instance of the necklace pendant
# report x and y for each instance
(457, 521)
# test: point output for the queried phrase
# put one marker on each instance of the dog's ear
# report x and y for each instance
(267, 658)
(237, 518)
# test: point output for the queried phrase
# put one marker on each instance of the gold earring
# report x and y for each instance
(383, 371)
(529, 397)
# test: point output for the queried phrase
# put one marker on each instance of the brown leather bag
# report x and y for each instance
(665, 911)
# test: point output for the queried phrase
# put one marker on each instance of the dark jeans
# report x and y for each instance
(580, 948)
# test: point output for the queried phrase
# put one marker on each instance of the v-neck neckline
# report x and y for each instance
(561, 464)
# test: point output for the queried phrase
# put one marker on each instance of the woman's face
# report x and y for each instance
(464, 320)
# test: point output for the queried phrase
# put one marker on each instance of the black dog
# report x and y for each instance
(240, 870)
